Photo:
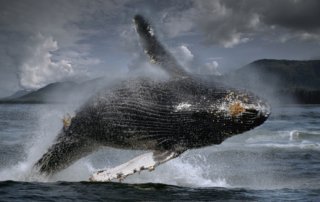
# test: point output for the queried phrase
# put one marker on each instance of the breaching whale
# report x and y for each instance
(167, 117)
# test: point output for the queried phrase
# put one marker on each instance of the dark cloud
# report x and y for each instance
(98, 36)
(231, 22)
(296, 15)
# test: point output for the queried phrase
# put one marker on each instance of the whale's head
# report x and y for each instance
(215, 114)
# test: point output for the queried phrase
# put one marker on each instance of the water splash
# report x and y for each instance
(48, 124)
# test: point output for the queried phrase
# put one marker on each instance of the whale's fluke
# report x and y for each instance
(153, 48)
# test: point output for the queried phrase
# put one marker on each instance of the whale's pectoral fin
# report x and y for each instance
(64, 152)
(148, 161)
(154, 49)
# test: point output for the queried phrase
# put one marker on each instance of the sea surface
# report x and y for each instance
(278, 161)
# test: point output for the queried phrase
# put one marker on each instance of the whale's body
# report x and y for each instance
(173, 115)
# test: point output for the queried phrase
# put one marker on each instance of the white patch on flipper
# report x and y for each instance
(138, 164)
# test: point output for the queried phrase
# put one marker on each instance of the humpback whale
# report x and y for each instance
(167, 117)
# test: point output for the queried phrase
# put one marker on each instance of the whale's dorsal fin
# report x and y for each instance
(153, 48)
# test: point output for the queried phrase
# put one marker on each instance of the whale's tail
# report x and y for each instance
(154, 49)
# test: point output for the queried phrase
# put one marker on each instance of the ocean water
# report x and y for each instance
(277, 161)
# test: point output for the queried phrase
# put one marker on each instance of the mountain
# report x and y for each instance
(51, 93)
(18, 94)
(281, 81)
(59, 92)
(278, 81)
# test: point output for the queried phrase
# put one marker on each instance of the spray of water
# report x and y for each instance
(49, 124)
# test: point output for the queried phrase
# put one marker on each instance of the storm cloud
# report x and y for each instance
(232, 22)
(47, 41)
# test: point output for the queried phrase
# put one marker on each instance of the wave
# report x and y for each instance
(293, 139)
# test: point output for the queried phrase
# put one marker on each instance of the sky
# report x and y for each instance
(48, 41)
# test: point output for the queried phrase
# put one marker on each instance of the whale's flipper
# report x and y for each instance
(146, 161)
(64, 152)
(157, 53)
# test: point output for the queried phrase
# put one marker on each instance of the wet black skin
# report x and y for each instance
(142, 114)
(176, 114)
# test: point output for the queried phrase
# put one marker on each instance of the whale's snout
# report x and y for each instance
(238, 112)
(255, 114)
